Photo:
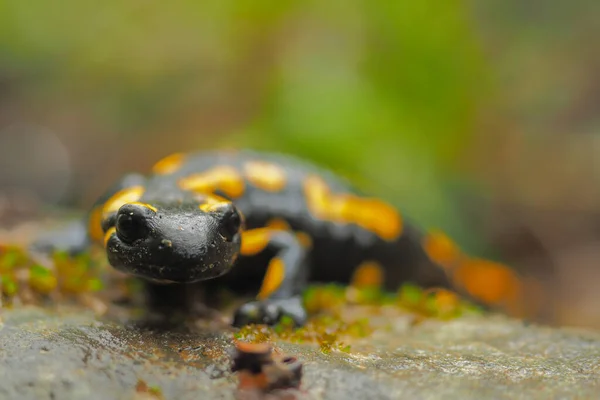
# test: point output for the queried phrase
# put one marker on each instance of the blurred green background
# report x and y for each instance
(481, 118)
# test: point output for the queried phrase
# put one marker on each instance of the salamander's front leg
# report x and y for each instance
(286, 277)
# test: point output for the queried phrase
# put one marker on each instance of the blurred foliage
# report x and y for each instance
(385, 93)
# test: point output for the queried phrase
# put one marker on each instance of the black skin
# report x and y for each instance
(181, 244)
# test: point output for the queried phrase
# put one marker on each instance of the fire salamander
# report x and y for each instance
(271, 223)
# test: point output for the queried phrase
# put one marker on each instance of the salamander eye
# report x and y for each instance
(230, 222)
(131, 224)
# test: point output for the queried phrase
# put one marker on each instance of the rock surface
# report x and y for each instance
(72, 355)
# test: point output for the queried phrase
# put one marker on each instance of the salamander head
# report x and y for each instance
(179, 242)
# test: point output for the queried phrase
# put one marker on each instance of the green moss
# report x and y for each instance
(62, 273)
(338, 313)
(326, 331)
(343, 313)
(324, 297)
(41, 279)
(9, 260)
(95, 285)
(434, 303)
(410, 295)
(11, 257)
(155, 391)
(79, 274)
(9, 286)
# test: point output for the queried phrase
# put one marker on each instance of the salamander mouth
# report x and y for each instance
(175, 273)
(161, 281)
(169, 275)
(174, 262)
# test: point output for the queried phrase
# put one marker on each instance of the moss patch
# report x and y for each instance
(339, 314)
(342, 314)
(29, 279)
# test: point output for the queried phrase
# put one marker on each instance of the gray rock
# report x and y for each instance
(71, 355)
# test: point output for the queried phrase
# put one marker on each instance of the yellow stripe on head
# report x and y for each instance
(127, 195)
(95, 224)
(213, 203)
(146, 205)
(273, 278)
(109, 234)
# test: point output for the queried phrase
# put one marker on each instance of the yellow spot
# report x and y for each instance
(254, 241)
(213, 203)
(273, 278)
(371, 214)
(95, 224)
(223, 178)
(490, 282)
(146, 205)
(127, 195)
(109, 234)
(169, 164)
(368, 274)
(304, 239)
(441, 249)
(267, 176)
(43, 284)
(278, 224)
(446, 300)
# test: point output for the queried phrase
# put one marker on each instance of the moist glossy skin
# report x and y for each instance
(264, 221)
(174, 243)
